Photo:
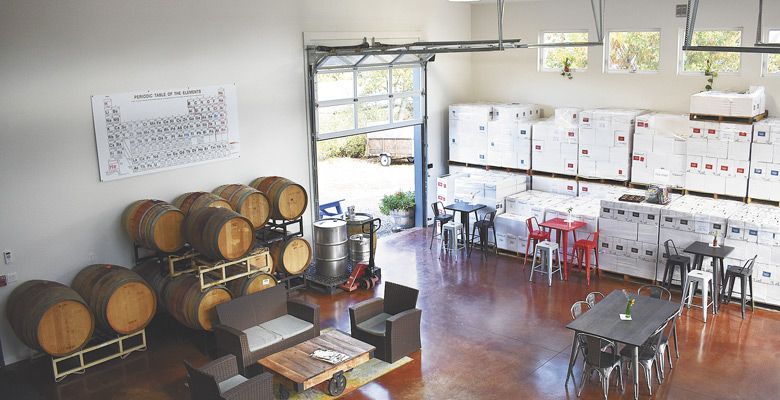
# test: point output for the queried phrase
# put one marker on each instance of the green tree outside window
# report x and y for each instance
(553, 57)
(634, 51)
(696, 61)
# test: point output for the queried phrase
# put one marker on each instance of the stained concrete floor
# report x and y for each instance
(486, 334)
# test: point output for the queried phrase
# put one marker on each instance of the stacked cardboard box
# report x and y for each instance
(511, 230)
(731, 104)
(754, 229)
(693, 219)
(555, 185)
(483, 187)
(605, 143)
(718, 157)
(602, 191)
(765, 161)
(628, 236)
(584, 209)
(659, 155)
(554, 145)
(492, 134)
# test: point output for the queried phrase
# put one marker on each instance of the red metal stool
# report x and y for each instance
(534, 234)
(582, 249)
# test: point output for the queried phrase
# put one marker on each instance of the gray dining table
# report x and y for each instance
(603, 320)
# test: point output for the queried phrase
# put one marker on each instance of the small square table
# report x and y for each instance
(701, 250)
(465, 209)
(603, 320)
(563, 228)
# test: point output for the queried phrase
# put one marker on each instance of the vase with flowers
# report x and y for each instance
(629, 305)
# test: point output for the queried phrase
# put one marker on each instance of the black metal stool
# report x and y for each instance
(674, 260)
(440, 217)
(483, 226)
(745, 275)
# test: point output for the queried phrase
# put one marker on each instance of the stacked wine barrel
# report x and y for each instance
(196, 200)
(288, 200)
(292, 255)
(119, 298)
(154, 224)
(189, 305)
(50, 317)
(247, 201)
(219, 233)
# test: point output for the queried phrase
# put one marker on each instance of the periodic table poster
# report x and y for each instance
(144, 132)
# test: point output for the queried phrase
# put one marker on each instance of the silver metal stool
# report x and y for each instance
(694, 278)
(546, 249)
(451, 230)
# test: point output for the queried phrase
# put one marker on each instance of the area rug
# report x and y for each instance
(356, 378)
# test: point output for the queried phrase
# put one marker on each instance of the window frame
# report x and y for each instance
(540, 55)
(765, 57)
(417, 93)
(681, 53)
(607, 47)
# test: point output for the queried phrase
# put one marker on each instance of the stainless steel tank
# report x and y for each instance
(359, 248)
(330, 247)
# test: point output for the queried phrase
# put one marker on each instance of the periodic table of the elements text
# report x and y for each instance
(140, 133)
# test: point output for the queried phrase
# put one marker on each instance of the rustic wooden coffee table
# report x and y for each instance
(296, 365)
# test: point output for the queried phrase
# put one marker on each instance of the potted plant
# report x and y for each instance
(400, 206)
(711, 74)
(566, 70)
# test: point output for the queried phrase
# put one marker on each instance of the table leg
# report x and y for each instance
(715, 283)
(636, 372)
(464, 219)
(565, 255)
(572, 358)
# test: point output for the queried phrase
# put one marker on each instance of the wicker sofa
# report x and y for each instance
(257, 325)
(220, 380)
(392, 324)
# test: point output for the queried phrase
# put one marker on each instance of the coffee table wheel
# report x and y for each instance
(337, 384)
(283, 393)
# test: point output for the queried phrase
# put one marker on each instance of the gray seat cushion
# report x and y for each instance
(230, 383)
(258, 338)
(287, 326)
(375, 325)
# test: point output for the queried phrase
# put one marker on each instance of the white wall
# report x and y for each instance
(53, 55)
(514, 75)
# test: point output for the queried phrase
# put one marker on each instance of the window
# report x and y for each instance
(552, 58)
(634, 51)
(360, 100)
(722, 62)
(772, 61)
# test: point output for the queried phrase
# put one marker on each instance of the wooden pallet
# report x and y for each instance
(761, 201)
(258, 261)
(118, 349)
(628, 278)
(602, 181)
(728, 119)
(512, 254)
(715, 196)
(551, 175)
(489, 167)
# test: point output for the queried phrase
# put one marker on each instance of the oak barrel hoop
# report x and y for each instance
(251, 284)
(292, 255)
(154, 273)
(219, 233)
(195, 200)
(154, 224)
(288, 199)
(191, 307)
(50, 317)
(246, 201)
(119, 298)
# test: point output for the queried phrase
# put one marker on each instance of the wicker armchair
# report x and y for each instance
(219, 379)
(260, 324)
(392, 324)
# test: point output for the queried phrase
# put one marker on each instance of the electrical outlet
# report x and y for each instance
(11, 278)
(7, 256)
(92, 257)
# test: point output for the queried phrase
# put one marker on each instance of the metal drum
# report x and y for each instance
(356, 224)
(330, 246)
(359, 246)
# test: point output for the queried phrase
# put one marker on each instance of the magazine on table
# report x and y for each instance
(329, 356)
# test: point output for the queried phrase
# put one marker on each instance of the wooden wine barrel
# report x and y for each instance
(288, 199)
(292, 255)
(50, 317)
(251, 284)
(154, 224)
(195, 200)
(153, 272)
(219, 233)
(191, 307)
(119, 298)
(246, 201)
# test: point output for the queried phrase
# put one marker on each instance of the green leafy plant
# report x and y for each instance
(396, 201)
(711, 74)
(345, 147)
(566, 71)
